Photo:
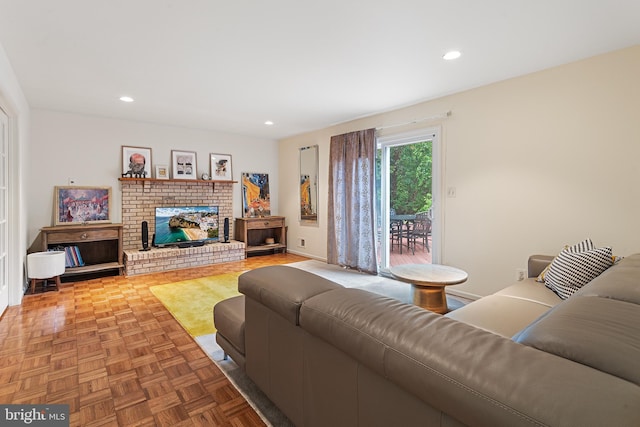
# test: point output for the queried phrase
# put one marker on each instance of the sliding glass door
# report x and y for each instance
(408, 182)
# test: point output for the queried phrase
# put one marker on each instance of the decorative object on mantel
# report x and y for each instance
(81, 205)
(220, 165)
(256, 201)
(205, 176)
(183, 165)
(136, 162)
(162, 172)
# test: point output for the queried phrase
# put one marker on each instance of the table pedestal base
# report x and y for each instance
(429, 281)
(432, 299)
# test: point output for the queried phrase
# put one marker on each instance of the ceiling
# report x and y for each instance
(231, 65)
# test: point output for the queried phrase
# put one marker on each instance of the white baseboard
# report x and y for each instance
(463, 294)
(293, 251)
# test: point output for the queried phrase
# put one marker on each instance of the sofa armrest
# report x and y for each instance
(537, 263)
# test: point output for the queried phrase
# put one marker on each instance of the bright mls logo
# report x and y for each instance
(34, 415)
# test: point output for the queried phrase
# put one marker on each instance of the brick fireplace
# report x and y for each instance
(140, 197)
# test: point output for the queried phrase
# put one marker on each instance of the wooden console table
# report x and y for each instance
(100, 245)
(254, 232)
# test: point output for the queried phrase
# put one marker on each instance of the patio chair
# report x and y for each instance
(396, 234)
(420, 229)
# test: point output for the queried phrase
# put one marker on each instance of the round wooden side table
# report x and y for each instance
(428, 282)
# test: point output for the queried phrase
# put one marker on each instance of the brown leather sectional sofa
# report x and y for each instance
(333, 356)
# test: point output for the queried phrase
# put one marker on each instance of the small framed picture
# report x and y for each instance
(221, 167)
(183, 165)
(81, 205)
(136, 162)
(162, 172)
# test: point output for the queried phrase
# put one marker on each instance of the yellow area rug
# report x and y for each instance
(191, 301)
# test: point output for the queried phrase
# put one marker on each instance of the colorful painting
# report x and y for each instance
(305, 196)
(255, 195)
(81, 205)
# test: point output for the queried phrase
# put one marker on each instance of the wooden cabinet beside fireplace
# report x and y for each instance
(254, 232)
(100, 246)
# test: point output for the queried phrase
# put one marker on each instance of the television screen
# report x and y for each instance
(179, 224)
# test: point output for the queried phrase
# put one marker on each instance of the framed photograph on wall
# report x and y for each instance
(162, 172)
(183, 165)
(221, 167)
(81, 205)
(136, 162)
(256, 199)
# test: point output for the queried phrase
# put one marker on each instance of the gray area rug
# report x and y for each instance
(269, 413)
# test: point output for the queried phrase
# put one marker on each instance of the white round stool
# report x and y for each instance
(45, 265)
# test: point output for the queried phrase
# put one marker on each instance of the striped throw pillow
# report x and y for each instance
(570, 271)
(585, 245)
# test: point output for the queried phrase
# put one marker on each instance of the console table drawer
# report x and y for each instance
(81, 236)
(266, 223)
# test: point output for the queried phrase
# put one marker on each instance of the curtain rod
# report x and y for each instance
(437, 116)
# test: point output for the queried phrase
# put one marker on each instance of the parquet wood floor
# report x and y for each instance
(109, 349)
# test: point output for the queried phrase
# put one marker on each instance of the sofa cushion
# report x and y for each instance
(570, 270)
(620, 282)
(510, 310)
(602, 333)
(228, 318)
(533, 291)
(502, 315)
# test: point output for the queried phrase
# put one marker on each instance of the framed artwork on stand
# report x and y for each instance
(136, 162)
(81, 205)
(221, 167)
(256, 199)
(183, 165)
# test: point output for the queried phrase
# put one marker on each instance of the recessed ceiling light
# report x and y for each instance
(126, 99)
(453, 54)
(268, 123)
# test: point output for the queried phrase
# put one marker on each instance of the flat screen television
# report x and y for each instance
(178, 225)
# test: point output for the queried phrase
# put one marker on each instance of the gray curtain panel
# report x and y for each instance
(351, 225)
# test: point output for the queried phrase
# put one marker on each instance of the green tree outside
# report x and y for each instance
(410, 177)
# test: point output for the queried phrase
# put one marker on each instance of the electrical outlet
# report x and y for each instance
(451, 192)
(521, 274)
(301, 242)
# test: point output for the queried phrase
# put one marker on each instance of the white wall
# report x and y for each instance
(88, 149)
(538, 161)
(13, 101)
